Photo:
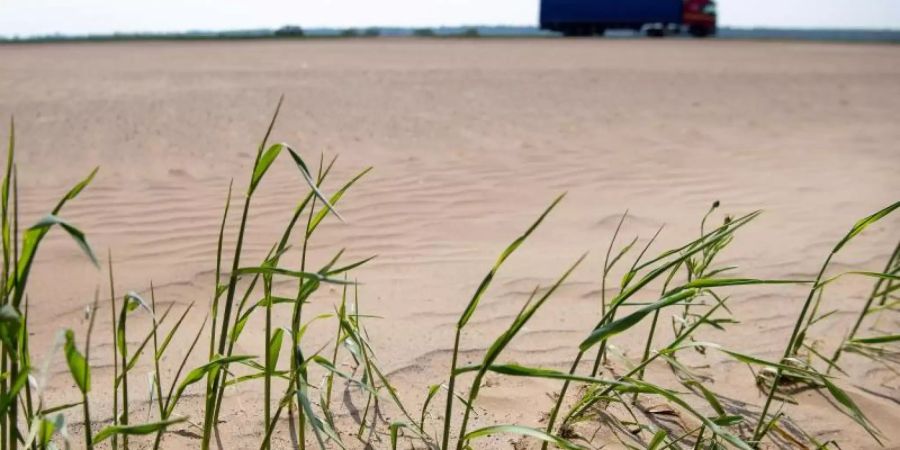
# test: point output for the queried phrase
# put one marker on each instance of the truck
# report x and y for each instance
(654, 17)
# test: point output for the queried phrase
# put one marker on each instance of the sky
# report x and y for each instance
(41, 17)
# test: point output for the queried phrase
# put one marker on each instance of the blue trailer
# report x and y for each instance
(594, 17)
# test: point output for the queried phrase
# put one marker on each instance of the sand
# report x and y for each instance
(470, 140)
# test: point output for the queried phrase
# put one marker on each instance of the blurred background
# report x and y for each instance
(32, 18)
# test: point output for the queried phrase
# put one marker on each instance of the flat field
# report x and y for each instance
(470, 140)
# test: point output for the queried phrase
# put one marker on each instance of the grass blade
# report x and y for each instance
(336, 197)
(265, 161)
(524, 431)
(620, 325)
(886, 339)
(864, 223)
(136, 430)
(304, 170)
(78, 366)
(473, 303)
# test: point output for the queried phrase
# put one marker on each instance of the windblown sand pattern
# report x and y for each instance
(470, 140)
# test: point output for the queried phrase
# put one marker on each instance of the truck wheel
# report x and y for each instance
(698, 31)
(599, 31)
(656, 32)
(578, 31)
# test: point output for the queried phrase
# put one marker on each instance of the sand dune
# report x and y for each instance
(470, 140)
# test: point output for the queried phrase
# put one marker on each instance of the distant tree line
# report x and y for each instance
(297, 31)
(289, 31)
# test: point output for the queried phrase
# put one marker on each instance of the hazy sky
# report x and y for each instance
(30, 17)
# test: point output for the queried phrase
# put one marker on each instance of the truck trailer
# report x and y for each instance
(655, 17)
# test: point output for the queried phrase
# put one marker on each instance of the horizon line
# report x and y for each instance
(401, 28)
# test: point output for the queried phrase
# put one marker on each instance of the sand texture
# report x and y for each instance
(470, 140)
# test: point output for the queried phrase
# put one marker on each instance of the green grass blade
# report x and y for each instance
(38, 230)
(75, 190)
(864, 223)
(219, 288)
(754, 361)
(58, 408)
(493, 352)
(395, 430)
(522, 319)
(283, 374)
(77, 365)
(710, 424)
(265, 161)
(473, 303)
(317, 425)
(432, 391)
(198, 373)
(335, 198)
(140, 349)
(609, 329)
(724, 230)
(13, 392)
(169, 404)
(877, 275)
(708, 395)
(10, 327)
(135, 430)
(304, 170)
(524, 431)
(171, 333)
(886, 339)
(851, 408)
(290, 273)
(301, 206)
(658, 439)
(274, 349)
(705, 283)
(32, 240)
(327, 365)
(515, 370)
(707, 241)
(329, 272)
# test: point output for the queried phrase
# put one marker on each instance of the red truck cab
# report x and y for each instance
(699, 16)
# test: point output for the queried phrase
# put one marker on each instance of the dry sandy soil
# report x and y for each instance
(470, 140)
